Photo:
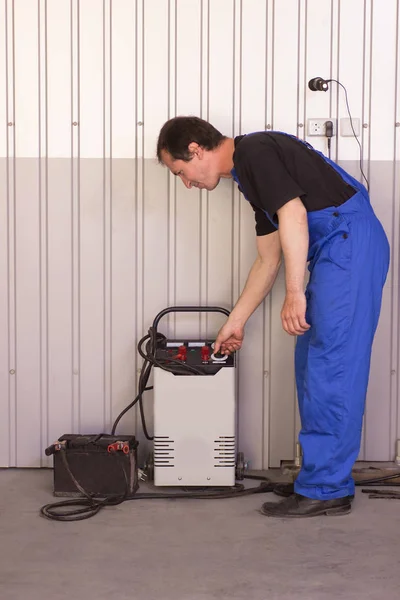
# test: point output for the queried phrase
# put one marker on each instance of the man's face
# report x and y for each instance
(200, 172)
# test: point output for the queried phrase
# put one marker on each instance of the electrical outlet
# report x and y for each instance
(317, 126)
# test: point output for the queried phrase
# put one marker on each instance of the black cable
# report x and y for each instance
(168, 364)
(237, 490)
(152, 339)
(131, 405)
(377, 480)
(90, 505)
(352, 127)
(386, 494)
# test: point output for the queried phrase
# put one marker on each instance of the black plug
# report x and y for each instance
(329, 129)
(329, 134)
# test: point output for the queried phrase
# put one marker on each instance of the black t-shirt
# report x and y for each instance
(274, 168)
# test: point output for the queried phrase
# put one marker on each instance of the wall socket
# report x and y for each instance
(317, 126)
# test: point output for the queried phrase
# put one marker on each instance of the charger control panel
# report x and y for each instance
(197, 353)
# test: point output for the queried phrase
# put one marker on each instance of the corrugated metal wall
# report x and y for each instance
(96, 238)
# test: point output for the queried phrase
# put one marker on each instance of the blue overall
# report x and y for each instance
(348, 260)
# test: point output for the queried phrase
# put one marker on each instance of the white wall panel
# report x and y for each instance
(123, 80)
(91, 74)
(156, 70)
(5, 429)
(9, 194)
(318, 62)
(156, 259)
(58, 81)
(96, 237)
(382, 117)
(286, 63)
(220, 112)
(383, 70)
(3, 79)
(395, 264)
(350, 70)
(252, 104)
(185, 205)
(253, 63)
(188, 56)
(289, 55)
(354, 70)
(26, 49)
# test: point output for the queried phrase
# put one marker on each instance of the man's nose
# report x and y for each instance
(186, 182)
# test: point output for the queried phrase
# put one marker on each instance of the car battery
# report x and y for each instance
(103, 465)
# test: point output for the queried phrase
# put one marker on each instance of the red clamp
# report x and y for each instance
(117, 446)
(182, 354)
(205, 354)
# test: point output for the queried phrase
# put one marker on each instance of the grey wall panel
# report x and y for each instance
(96, 237)
(282, 411)
(252, 396)
(378, 441)
(266, 383)
(251, 390)
(153, 286)
(124, 334)
(92, 282)
(28, 337)
(219, 250)
(6, 430)
(395, 365)
(62, 368)
(189, 255)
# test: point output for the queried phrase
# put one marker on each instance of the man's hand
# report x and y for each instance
(229, 339)
(293, 313)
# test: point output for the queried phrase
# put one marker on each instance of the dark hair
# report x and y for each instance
(177, 133)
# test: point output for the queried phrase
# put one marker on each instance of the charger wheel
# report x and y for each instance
(149, 466)
(240, 466)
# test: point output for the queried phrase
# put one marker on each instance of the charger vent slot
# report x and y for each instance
(225, 451)
(163, 451)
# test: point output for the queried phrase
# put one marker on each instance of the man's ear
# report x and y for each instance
(196, 150)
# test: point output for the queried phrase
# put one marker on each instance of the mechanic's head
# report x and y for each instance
(189, 147)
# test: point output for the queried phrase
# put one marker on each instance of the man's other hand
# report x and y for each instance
(293, 313)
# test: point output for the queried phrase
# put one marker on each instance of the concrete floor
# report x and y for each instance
(193, 550)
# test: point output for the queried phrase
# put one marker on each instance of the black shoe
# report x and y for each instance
(297, 506)
(284, 489)
(287, 489)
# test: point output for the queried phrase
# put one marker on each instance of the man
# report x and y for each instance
(311, 210)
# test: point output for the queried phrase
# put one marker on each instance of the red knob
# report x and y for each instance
(182, 352)
(205, 354)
